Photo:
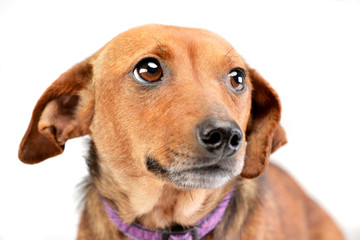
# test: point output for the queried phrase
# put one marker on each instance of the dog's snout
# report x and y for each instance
(221, 138)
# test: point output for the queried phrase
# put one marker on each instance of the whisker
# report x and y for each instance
(159, 44)
(191, 195)
(229, 51)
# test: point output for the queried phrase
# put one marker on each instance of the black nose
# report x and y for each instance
(221, 138)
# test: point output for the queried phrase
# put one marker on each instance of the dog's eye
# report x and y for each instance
(236, 80)
(148, 70)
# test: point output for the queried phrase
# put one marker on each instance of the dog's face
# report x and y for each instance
(178, 105)
(158, 97)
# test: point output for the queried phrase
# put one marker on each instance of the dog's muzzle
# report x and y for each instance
(216, 162)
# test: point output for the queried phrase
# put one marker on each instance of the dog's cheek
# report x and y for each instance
(158, 127)
(111, 141)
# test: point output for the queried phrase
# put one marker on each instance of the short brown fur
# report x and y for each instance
(129, 123)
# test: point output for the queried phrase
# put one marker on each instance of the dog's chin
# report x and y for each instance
(206, 177)
(211, 176)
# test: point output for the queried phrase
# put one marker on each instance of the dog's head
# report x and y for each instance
(179, 105)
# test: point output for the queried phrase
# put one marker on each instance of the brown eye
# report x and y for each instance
(236, 80)
(148, 70)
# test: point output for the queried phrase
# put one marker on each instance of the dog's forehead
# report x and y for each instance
(168, 41)
(160, 35)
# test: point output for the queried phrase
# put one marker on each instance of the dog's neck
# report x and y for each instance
(95, 222)
(174, 207)
(201, 229)
(162, 205)
(153, 204)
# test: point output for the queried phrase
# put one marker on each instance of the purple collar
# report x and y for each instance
(137, 232)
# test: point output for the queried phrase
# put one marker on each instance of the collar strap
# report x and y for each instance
(137, 232)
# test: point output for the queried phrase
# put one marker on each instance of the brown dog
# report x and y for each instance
(178, 122)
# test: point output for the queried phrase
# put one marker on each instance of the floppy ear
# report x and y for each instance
(264, 133)
(64, 111)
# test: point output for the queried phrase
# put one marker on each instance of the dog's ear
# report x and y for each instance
(264, 132)
(64, 111)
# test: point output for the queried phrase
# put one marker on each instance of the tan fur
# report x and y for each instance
(128, 122)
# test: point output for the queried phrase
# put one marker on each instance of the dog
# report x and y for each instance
(181, 133)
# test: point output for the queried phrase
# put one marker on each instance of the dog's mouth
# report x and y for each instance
(214, 175)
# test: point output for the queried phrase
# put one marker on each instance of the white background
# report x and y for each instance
(308, 50)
